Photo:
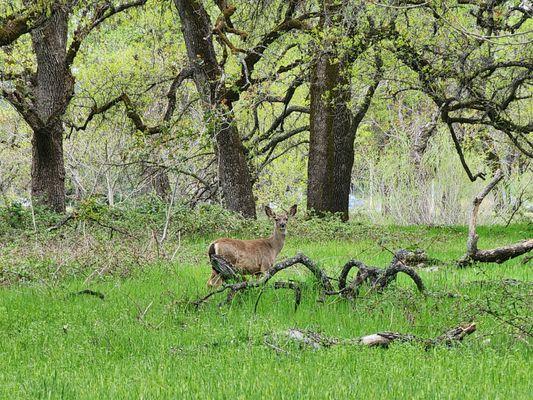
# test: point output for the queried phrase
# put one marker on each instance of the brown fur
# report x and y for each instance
(251, 257)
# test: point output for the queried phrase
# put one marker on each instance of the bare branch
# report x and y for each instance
(459, 150)
(278, 139)
(131, 111)
(171, 95)
(497, 255)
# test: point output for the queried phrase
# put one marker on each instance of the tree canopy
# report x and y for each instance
(247, 103)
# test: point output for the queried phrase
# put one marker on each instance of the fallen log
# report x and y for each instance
(89, 292)
(300, 258)
(378, 278)
(497, 255)
(314, 340)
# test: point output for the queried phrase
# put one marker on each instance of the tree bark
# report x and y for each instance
(331, 144)
(344, 131)
(233, 172)
(48, 169)
(52, 93)
(321, 140)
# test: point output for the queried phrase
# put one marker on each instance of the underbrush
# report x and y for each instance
(95, 240)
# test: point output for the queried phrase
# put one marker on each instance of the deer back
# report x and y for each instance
(248, 256)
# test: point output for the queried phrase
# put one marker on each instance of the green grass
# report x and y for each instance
(55, 345)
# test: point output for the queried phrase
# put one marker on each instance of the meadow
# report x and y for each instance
(145, 338)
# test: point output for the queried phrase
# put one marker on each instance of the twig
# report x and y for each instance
(90, 292)
(317, 341)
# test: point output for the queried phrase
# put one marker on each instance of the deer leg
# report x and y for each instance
(257, 275)
(215, 280)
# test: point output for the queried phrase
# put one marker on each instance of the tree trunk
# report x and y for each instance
(331, 145)
(233, 172)
(344, 131)
(52, 93)
(48, 169)
(321, 140)
(161, 185)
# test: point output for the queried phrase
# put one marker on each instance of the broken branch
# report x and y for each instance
(317, 341)
(497, 255)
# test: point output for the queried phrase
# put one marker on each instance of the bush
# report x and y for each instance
(14, 215)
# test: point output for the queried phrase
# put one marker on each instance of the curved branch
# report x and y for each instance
(278, 139)
(102, 12)
(300, 258)
(460, 153)
(497, 255)
(377, 277)
(17, 24)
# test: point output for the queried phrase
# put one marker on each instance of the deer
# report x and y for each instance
(252, 257)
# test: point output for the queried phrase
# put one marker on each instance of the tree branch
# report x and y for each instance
(23, 105)
(17, 24)
(459, 151)
(131, 111)
(279, 120)
(102, 12)
(278, 139)
(365, 104)
(171, 95)
(497, 255)
(254, 56)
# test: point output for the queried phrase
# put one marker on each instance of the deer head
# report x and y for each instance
(280, 220)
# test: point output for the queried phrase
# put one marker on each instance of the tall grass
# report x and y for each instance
(146, 340)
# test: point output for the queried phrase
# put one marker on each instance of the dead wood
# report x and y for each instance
(497, 255)
(300, 258)
(294, 286)
(378, 278)
(90, 292)
(64, 221)
(416, 258)
(223, 268)
(316, 340)
(284, 285)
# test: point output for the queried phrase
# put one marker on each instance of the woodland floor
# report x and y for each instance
(146, 340)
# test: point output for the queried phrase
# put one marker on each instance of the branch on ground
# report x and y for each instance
(380, 278)
(314, 340)
(497, 255)
(377, 277)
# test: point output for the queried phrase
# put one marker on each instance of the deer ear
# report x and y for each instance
(293, 210)
(269, 212)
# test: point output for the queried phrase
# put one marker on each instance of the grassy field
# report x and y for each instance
(145, 340)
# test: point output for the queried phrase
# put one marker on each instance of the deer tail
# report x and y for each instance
(211, 250)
